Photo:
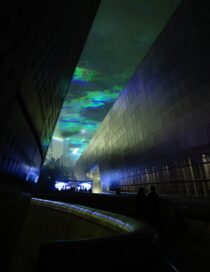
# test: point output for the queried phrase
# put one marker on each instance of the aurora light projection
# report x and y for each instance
(121, 34)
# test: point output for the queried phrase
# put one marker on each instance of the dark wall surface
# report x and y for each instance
(158, 131)
(41, 42)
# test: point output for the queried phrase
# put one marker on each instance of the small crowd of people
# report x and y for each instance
(147, 206)
(72, 189)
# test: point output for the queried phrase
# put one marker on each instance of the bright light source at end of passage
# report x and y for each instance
(57, 139)
(75, 151)
(60, 185)
(83, 131)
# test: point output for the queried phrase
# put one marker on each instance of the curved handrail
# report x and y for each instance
(122, 242)
(116, 222)
(129, 238)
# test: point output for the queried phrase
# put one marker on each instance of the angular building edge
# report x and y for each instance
(158, 131)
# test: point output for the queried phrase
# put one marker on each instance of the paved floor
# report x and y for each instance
(184, 226)
(186, 243)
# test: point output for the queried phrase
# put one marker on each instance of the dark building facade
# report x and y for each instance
(158, 131)
(41, 42)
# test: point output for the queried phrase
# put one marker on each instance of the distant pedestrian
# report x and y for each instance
(141, 204)
(153, 205)
(117, 192)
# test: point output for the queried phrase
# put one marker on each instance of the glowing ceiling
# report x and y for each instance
(121, 34)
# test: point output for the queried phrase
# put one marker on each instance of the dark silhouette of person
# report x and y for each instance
(153, 205)
(72, 189)
(141, 204)
(118, 191)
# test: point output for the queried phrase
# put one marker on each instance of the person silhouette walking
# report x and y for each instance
(153, 205)
(141, 204)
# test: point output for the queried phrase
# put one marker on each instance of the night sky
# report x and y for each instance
(121, 34)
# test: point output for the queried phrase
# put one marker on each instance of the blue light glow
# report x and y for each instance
(61, 185)
(33, 174)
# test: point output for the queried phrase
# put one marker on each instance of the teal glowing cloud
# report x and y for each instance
(84, 74)
(119, 39)
(74, 123)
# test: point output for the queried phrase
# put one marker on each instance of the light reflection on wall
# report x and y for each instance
(94, 175)
(32, 174)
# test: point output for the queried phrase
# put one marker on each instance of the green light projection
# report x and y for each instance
(84, 74)
(81, 116)
(119, 39)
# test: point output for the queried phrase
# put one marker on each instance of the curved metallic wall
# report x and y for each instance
(41, 42)
(158, 131)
